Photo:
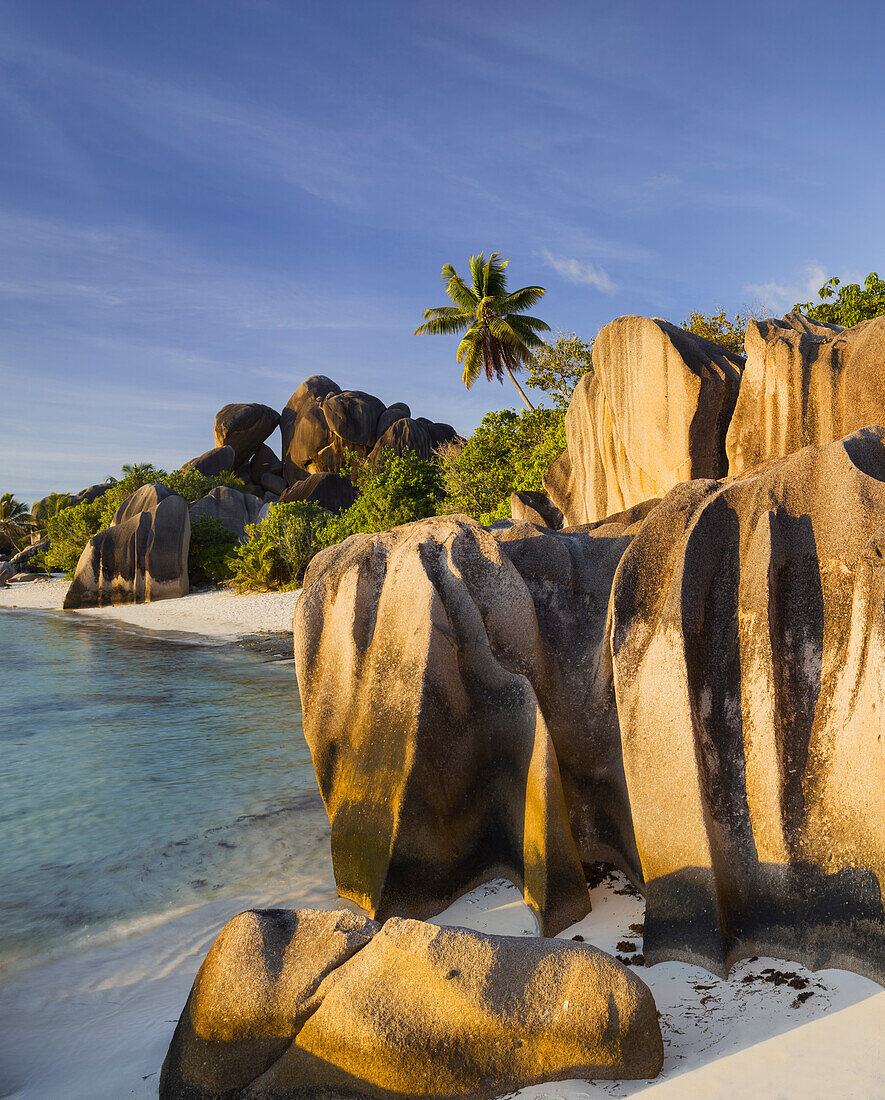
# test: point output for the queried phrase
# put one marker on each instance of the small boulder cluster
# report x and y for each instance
(144, 559)
(330, 1004)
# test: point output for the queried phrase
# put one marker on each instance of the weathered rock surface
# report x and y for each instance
(533, 507)
(264, 462)
(244, 427)
(275, 484)
(399, 410)
(334, 493)
(653, 413)
(321, 424)
(458, 705)
(402, 436)
(229, 506)
(748, 648)
(141, 557)
(220, 460)
(805, 383)
(329, 1004)
(353, 416)
(303, 426)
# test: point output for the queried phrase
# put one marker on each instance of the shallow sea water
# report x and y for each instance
(140, 777)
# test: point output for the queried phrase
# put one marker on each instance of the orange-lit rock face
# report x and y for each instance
(748, 667)
(476, 706)
(290, 1003)
(805, 383)
(653, 413)
(457, 701)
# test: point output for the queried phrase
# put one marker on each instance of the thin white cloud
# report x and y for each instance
(784, 295)
(576, 271)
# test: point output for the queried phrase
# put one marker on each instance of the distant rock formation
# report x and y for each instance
(321, 424)
(245, 428)
(292, 1003)
(220, 460)
(805, 383)
(654, 412)
(335, 494)
(141, 557)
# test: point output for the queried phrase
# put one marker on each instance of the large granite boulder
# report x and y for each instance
(534, 507)
(141, 557)
(303, 426)
(334, 493)
(353, 416)
(458, 704)
(805, 383)
(234, 509)
(293, 1004)
(653, 412)
(244, 427)
(748, 643)
(404, 435)
(264, 462)
(399, 410)
(220, 460)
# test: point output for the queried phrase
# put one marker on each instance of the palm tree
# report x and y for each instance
(15, 519)
(45, 509)
(497, 339)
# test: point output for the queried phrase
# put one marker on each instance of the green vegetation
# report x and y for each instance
(727, 332)
(497, 339)
(15, 521)
(557, 367)
(851, 305)
(401, 489)
(211, 551)
(278, 550)
(507, 452)
(71, 528)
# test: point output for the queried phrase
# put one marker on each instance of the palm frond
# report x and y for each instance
(458, 290)
(444, 321)
(495, 277)
(470, 353)
(522, 299)
(532, 324)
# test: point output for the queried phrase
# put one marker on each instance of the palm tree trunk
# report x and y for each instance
(528, 403)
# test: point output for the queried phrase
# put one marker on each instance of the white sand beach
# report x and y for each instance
(212, 617)
(96, 1024)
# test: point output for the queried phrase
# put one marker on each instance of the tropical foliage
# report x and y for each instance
(508, 451)
(497, 339)
(400, 489)
(15, 521)
(71, 528)
(557, 367)
(279, 549)
(211, 553)
(849, 305)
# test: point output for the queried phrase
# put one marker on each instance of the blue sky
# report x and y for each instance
(208, 200)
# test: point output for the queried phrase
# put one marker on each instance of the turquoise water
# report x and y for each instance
(139, 775)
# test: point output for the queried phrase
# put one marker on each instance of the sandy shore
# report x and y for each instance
(772, 1029)
(212, 617)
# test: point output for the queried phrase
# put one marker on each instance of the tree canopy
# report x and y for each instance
(558, 366)
(497, 339)
(852, 304)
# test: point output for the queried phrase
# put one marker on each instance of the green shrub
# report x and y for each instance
(211, 553)
(403, 488)
(71, 528)
(508, 451)
(279, 549)
(849, 306)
